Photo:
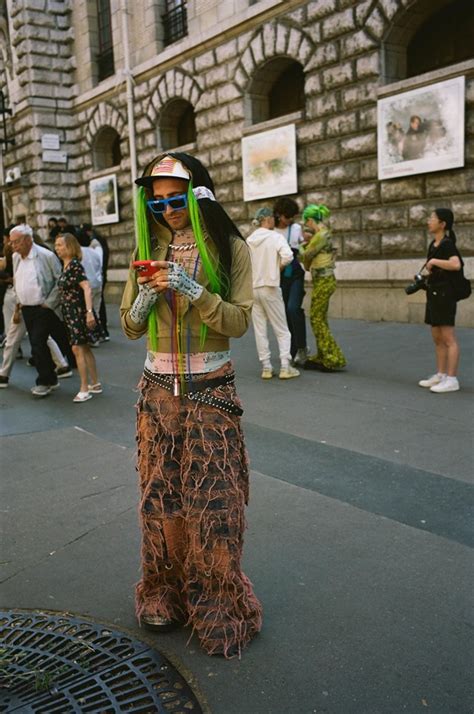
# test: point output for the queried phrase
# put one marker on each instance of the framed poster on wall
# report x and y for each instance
(104, 200)
(269, 163)
(421, 130)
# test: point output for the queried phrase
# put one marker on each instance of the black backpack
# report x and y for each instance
(461, 285)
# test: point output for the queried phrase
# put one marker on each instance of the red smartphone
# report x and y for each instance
(144, 268)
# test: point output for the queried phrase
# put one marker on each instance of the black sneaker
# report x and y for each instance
(30, 362)
(64, 372)
(3, 382)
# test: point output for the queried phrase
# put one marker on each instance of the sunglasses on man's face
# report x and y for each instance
(159, 205)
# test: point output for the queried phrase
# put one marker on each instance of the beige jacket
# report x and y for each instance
(224, 319)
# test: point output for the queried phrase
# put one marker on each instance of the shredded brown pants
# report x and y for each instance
(193, 472)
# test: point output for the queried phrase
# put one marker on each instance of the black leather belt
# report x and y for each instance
(198, 390)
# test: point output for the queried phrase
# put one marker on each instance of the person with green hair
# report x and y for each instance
(189, 291)
(319, 258)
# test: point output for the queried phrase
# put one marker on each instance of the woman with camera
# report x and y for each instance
(443, 263)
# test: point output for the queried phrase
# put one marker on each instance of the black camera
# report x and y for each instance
(419, 283)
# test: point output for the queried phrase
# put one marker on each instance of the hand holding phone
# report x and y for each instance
(144, 268)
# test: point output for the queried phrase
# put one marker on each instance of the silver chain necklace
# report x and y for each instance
(183, 246)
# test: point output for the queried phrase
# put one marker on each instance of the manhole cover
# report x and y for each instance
(58, 664)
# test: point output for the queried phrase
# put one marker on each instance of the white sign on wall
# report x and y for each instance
(50, 141)
(55, 157)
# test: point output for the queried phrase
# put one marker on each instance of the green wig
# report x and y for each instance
(317, 212)
(217, 280)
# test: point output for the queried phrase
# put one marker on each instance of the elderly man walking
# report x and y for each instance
(35, 273)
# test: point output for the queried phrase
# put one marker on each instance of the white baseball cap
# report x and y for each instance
(164, 167)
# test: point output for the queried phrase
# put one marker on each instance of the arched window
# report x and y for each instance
(445, 38)
(177, 124)
(430, 35)
(106, 150)
(276, 89)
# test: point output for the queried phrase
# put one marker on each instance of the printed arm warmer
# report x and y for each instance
(180, 281)
(143, 303)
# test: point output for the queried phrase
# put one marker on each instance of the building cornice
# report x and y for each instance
(421, 80)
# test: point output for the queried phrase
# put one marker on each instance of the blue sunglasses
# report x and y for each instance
(159, 205)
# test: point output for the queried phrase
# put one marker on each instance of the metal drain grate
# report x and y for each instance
(54, 664)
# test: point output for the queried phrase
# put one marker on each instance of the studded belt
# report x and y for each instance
(196, 391)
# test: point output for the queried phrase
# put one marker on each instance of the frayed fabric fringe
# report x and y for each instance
(193, 472)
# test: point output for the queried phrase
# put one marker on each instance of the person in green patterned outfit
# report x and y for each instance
(319, 258)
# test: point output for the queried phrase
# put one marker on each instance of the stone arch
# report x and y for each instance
(104, 115)
(272, 41)
(173, 85)
(393, 23)
(106, 151)
(276, 89)
(177, 125)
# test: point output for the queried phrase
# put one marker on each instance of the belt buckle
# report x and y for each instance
(176, 387)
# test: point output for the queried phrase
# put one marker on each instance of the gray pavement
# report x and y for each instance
(359, 528)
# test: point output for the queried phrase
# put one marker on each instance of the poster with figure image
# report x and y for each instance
(269, 163)
(421, 130)
(104, 200)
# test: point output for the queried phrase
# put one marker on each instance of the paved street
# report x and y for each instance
(359, 532)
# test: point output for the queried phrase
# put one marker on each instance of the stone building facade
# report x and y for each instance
(216, 84)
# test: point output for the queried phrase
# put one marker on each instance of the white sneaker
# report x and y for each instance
(267, 373)
(431, 381)
(41, 390)
(288, 372)
(449, 384)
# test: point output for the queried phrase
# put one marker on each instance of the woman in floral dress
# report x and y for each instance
(76, 305)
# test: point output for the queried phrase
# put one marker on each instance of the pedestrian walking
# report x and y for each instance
(92, 263)
(16, 328)
(443, 265)
(100, 244)
(35, 274)
(78, 312)
(53, 230)
(192, 460)
(319, 259)
(269, 253)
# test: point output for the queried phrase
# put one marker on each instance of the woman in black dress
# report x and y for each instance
(76, 305)
(443, 265)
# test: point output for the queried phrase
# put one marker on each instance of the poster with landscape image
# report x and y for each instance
(269, 163)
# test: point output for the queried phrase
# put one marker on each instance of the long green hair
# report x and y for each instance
(144, 253)
(218, 280)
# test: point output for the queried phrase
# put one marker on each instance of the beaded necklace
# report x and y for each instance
(185, 253)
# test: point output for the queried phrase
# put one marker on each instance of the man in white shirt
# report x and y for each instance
(269, 253)
(35, 273)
